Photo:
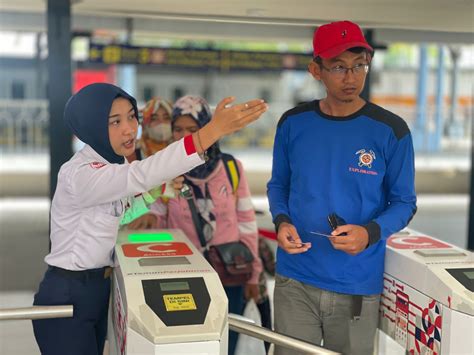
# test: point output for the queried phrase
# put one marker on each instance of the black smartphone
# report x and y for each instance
(335, 221)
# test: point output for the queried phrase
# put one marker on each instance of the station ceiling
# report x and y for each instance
(435, 20)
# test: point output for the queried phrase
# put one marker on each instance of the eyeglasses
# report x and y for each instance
(339, 71)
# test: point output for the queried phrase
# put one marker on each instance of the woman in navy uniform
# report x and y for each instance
(91, 196)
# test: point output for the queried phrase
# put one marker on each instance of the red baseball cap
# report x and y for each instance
(332, 39)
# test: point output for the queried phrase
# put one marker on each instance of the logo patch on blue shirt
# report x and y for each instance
(365, 160)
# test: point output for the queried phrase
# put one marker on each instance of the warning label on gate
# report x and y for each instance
(179, 302)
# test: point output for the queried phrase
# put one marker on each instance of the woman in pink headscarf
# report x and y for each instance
(228, 212)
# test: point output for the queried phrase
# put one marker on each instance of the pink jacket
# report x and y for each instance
(235, 215)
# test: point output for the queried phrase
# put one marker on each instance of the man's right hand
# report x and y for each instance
(289, 240)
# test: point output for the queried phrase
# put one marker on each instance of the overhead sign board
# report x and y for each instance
(200, 59)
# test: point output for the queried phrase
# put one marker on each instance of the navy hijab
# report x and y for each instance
(87, 115)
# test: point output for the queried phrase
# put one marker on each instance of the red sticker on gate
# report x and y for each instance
(415, 242)
(155, 249)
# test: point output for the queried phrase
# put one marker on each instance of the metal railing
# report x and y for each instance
(239, 324)
(36, 312)
(24, 126)
(236, 323)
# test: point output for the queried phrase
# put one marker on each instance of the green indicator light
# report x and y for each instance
(150, 237)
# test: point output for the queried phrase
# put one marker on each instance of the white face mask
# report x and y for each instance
(160, 133)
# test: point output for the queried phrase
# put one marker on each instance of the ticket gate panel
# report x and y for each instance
(411, 318)
(166, 297)
(427, 305)
(139, 346)
(182, 301)
(145, 321)
(455, 340)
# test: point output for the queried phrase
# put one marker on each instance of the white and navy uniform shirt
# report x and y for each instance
(92, 195)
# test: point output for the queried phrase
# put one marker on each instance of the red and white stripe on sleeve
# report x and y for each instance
(189, 145)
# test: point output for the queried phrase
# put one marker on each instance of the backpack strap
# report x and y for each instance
(232, 170)
(187, 193)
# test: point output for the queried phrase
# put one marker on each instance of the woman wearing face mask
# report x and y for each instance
(156, 128)
(156, 135)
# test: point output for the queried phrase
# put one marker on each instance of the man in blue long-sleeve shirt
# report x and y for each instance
(346, 156)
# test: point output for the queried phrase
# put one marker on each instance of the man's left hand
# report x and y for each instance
(354, 242)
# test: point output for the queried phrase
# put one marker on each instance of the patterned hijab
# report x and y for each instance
(148, 144)
(152, 106)
(198, 109)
